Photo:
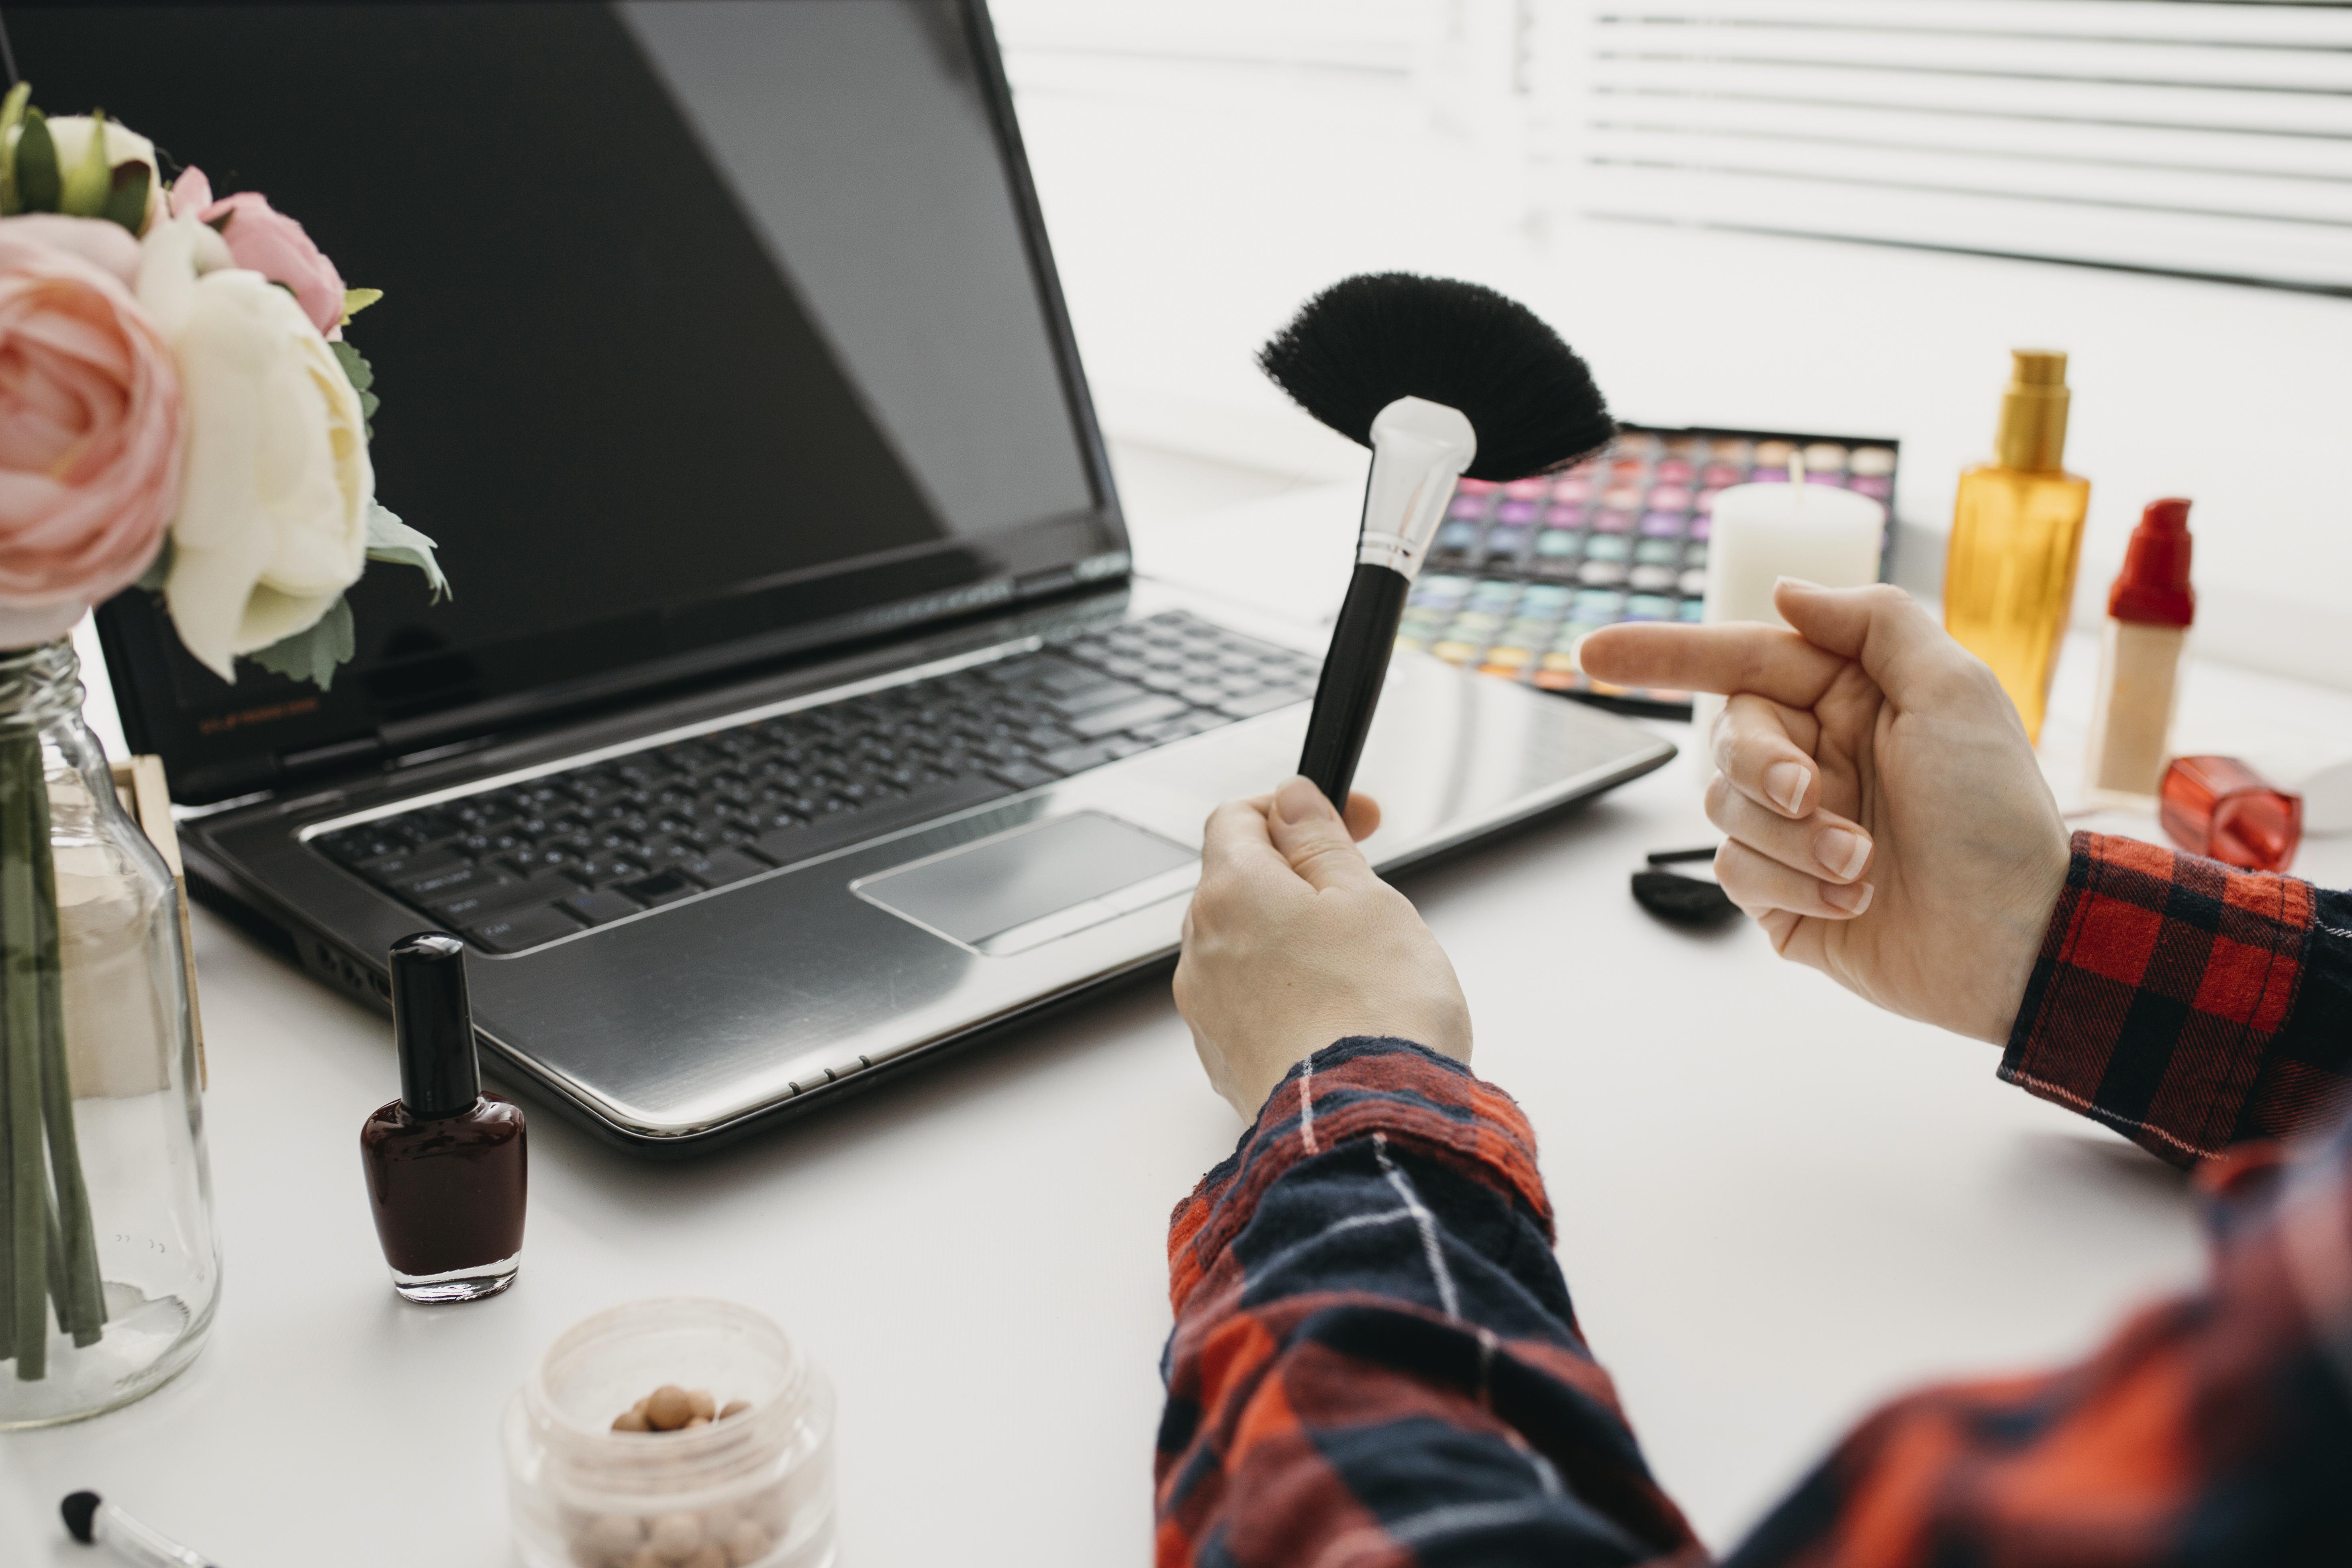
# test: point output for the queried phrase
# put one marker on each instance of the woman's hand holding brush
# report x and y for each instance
(1293, 943)
(1888, 823)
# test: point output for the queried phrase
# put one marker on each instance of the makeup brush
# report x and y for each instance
(1440, 379)
(94, 1522)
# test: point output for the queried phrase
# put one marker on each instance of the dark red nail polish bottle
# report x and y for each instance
(444, 1161)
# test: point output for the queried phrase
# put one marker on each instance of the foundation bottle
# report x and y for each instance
(2017, 534)
(2148, 612)
(445, 1162)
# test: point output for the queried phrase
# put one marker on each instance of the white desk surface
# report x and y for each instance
(1776, 1206)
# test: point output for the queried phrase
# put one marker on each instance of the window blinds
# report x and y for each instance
(2183, 137)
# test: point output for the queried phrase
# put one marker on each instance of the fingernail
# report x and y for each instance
(1840, 852)
(1785, 782)
(1852, 898)
(1299, 801)
(1795, 582)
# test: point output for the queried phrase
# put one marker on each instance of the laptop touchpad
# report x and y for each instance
(1020, 889)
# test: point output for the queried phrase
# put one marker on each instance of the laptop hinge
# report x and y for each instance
(342, 754)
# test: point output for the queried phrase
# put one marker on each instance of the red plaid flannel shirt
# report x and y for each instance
(1376, 1362)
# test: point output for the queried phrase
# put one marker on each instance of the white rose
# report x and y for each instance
(70, 135)
(274, 506)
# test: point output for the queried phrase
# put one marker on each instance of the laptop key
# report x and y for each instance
(356, 846)
(1264, 701)
(530, 863)
(464, 876)
(410, 865)
(725, 866)
(661, 887)
(1095, 697)
(846, 827)
(1077, 759)
(1024, 775)
(1126, 716)
(599, 905)
(522, 928)
(473, 905)
(1167, 730)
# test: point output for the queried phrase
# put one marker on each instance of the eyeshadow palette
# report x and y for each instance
(1521, 570)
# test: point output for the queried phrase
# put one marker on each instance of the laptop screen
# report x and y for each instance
(711, 331)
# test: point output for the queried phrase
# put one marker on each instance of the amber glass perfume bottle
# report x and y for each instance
(445, 1162)
(2017, 534)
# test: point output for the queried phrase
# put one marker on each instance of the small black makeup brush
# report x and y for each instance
(1439, 378)
(94, 1522)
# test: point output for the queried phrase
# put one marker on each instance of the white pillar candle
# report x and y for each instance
(1761, 533)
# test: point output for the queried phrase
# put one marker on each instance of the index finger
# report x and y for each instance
(1739, 656)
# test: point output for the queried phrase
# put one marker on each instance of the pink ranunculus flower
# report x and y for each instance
(263, 240)
(91, 430)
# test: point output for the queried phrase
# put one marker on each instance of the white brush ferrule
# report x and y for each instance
(1418, 450)
(134, 1542)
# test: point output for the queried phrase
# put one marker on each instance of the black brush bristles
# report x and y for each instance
(1367, 340)
(79, 1508)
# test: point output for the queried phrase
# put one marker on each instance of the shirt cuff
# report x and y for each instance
(2160, 983)
(1427, 1104)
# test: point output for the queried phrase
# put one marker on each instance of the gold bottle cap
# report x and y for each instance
(2033, 413)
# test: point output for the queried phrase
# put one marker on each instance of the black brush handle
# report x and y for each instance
(1349, 691)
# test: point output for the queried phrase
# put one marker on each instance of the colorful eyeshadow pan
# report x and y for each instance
(1521, 570)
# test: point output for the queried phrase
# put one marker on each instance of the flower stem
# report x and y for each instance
(20, 1052)
(80, 1295)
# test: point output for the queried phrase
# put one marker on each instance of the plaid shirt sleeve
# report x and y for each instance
(2187, 1004)
(1376, 1361)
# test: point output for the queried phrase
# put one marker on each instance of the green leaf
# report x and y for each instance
(314, 654)
(85, 190)
(12, 115)
(358, 300)
(362, 375)
(37, 165)
(356, 368)
(157, 570)
(126, 200)
(389, 539)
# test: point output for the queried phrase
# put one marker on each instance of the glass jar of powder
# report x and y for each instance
(750, 1489)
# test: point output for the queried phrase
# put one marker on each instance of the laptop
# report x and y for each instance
(797, 715)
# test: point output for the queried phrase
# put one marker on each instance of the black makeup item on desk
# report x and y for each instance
(1679, 896)
(1519, 572)
(445, 1161)
(1439, 378)
(94, 1522)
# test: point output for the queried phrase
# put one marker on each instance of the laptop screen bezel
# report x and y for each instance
(897, 595)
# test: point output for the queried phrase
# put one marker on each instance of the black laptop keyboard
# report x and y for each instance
(525, 864)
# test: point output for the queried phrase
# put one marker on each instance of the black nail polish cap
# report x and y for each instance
(433, 1024)
(79, 1508)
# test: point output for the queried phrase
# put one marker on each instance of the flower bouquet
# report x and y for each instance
(179, 412)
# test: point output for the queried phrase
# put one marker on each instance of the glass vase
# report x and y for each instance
(109, 1265)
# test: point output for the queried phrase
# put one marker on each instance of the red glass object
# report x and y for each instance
(2217, 806)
